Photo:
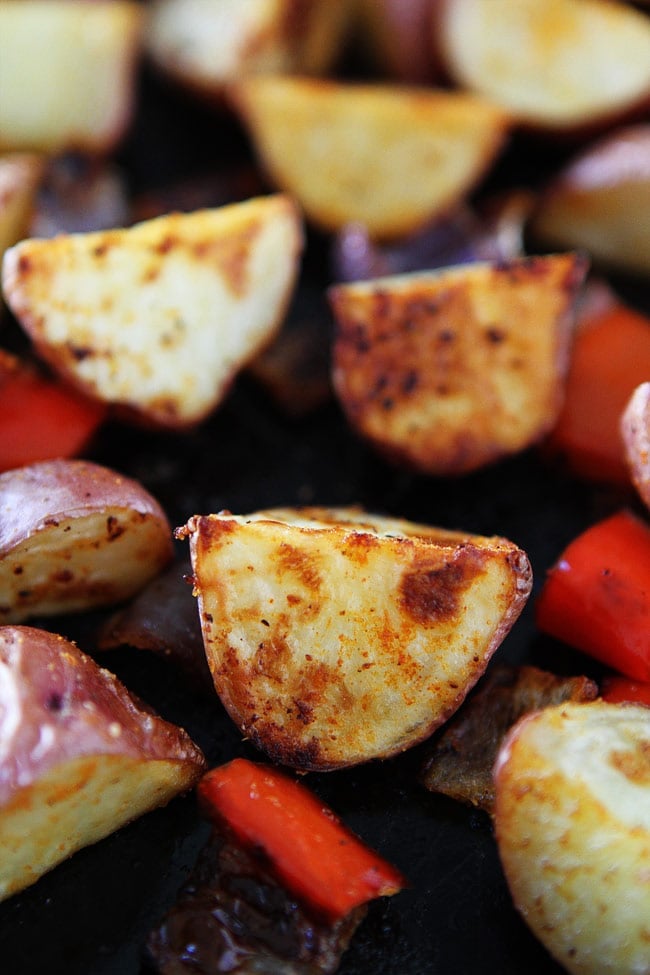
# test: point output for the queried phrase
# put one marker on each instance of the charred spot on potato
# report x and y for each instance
(432, 595)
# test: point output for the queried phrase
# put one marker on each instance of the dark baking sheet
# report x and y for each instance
(91, 915)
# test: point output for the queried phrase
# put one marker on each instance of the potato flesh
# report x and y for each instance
(450, 370)
(81, 563)
(67, 73)
(332, 640)
(573, 827)
(538, 60)
(159, 317)
(388, 158)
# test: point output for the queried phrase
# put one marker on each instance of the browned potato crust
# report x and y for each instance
(75, 535)
(335, 636)
(450, 370)
(79, 757)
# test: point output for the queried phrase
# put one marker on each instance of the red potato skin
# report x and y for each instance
(49, 683)
(305, 844)
(40, 494)
(597, 596)
(403, 30)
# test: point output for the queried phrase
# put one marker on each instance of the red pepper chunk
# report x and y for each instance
(622, 690)
(39, 418)
(597, 596)
(310, 851)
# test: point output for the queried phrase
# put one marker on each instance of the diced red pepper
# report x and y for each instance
(622, 690)
(597, 596)
(611, 356)
(39, 418)
(307, 847)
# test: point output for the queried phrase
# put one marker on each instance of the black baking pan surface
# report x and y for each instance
(91, 915)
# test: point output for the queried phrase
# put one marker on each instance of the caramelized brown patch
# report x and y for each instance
(634, 765)
(301, 564)
(433, 595)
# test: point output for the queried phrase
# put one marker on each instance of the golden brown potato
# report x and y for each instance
(572, 821)
(564, 66)
(73, 536)
(335, 636)
(450, 370)
(388, 157)
(600, 202)
(20, 175)
(635, 433)
(67, 75)
(158, 318)
(205, 44)
(79, 757)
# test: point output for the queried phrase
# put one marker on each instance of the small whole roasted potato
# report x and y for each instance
(572, 819)
(75, 535)
(158, 318)
(79, 757)
(446, 371)
(335, 636)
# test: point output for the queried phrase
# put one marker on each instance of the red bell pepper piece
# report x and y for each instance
(597, 596)
(39, 418)
(308, 848)
(622, 690)
(610, 358)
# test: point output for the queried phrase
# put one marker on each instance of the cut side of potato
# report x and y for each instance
(447, 371)
(635, 433)
(205, 44)
(390, 158)
(20, 176)
(566, 66)
(67, 73)
(73, 536)
(600, 202)
(158, 318)
(572, 820)
(335, 636)
(79, 757)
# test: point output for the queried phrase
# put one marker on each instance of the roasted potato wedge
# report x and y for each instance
(158, 318)
(450, 370)
(67, 73)
(572, 818)
(600, 202)
(73, 536)
(205, 44)
(635, 433)
(335, 636)
(390, 158)
(568, 67)
(20, 175)
(79, 757)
